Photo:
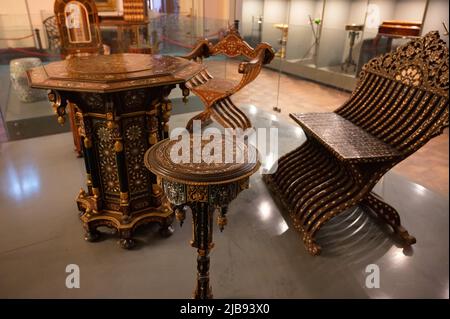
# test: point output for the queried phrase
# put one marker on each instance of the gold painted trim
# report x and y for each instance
(117, 118)
(228, 181)
(96, 191)
(107, 5)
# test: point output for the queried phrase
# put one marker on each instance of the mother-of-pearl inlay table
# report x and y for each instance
(205, 187)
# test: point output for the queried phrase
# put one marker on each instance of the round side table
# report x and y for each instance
(204, 187)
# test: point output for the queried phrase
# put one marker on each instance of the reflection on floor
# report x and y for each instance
(259, 255)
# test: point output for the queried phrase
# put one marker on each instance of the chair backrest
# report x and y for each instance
(402, 96)
(233, 45)
(78, 25)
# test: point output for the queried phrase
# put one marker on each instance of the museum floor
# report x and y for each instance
(259, 255)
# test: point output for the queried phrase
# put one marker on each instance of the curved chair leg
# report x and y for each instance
(234, 110)
(309, 227)
(204, 117)
(291, 161)
(326, 201)
(313, 190)
(388, 214)
(220, 116)
(227, 114)
(290, 164)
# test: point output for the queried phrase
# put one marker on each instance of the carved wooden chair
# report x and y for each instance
(79, 30)
(400, 103)
(215, 93)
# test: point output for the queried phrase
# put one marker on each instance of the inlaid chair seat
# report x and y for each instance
(214, 88)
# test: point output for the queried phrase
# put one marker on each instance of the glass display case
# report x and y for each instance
(170, 27)
(330, 40)
(375, 42)
(326, 41)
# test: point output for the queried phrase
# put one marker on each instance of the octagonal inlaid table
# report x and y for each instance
(203, 186)
(122, 108)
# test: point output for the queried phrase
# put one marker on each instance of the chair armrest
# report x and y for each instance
(264, 55)
(200, 51)
(268, 52)
(246, 67)
(347, 141)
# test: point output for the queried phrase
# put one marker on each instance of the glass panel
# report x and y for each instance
(275, 30)
(77, 22)
(341, 37)
(275, 17)
(252, 21)
(176, 25)
(304, 31)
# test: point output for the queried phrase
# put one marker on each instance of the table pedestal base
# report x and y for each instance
(202, 219)
(124, 225)
(203, 289)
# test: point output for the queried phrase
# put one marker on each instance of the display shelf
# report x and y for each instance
(325, 75)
